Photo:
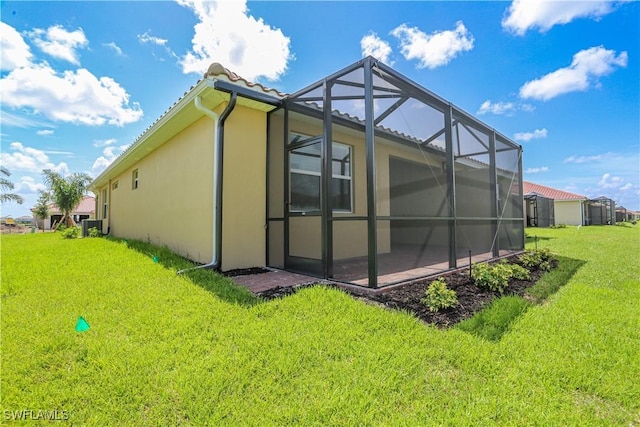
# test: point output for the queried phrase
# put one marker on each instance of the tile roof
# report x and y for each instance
(87, 205)
(216, 70)
(551, 193)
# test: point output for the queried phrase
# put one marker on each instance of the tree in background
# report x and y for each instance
(41, 209)
(5, 185)
(66, 193)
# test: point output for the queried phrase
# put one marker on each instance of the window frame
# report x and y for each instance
(300, 140)
(135, 175)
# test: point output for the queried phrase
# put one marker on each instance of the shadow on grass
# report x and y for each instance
(209, 280)
(496, 319)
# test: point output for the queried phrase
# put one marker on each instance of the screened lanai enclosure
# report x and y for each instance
(600, 211)
(374, 180)
(539, 210)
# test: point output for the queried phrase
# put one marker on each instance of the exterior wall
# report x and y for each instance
(244, 194)
(172, 205)
(568, 212)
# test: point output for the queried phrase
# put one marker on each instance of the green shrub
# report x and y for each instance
(558, 226)
(94, 232)
(539, 258)
(494, 278)
(71, 233)
(518, 272)
(438, 296)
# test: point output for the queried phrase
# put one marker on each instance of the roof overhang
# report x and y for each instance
(213, 92)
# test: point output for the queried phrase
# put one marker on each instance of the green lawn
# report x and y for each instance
(168, 349)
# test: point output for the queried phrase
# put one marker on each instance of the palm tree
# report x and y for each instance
(41, 209)
(66, 193)
(5, 185)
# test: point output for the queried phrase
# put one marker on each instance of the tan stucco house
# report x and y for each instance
(363, 177)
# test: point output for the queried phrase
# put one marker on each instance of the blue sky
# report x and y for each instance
(80, 81)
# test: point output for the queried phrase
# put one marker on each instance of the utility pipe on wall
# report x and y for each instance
(218, 152)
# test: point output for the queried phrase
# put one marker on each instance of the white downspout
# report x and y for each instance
(215, 256)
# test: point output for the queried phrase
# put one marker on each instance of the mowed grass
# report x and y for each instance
(195, 350)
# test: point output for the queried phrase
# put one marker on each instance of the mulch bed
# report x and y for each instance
(471, 298)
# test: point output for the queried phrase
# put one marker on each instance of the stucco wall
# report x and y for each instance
(568, 212)
(172, 205)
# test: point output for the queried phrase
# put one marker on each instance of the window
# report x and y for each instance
(134, 179)
(114, 186)
(105, 205)
(305, 172)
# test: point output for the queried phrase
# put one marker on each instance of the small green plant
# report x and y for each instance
(558, 226)
(539, 258)
(438, 296)
(71, 233)
(517, 271)
(94, 232)
(494, 278)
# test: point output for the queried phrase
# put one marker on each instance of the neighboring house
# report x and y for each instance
(364, 177)
(84, 210)
(568, 207)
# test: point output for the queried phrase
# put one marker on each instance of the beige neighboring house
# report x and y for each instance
(568, 207)
(84, 210)
(363, 177)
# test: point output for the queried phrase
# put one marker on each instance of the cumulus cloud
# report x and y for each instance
(436, 49)
(14, 51)
(523, 15)
(60, 43)
(28, 185)
(71, 96)
(537, 170)
(29, 159)
(109, 154)
(609, 181)
(45, 132)
(372, 45)
(228, 34)
(528, 136)
(68, 96)
(586, 67)
(148, 38)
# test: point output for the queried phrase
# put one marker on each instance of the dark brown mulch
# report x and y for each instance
(245, 271)
(471, 298)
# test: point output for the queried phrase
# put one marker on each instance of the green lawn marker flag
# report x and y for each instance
(82, 325)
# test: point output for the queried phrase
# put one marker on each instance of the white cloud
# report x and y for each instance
(14, 51)
(148, 38)
(537, 170)
(45, 132)
(104, 142)
(528, 136)
(28, 185)
(587, 159)
(109, 154)
(29, 159)
(372, 45)
(23, 121)
(227, 34)
(609, 181)
(114, 47)
(60, 43)
(525, 14)
(586, 67)
(72, 96)
(503, 108)
(436, 49)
